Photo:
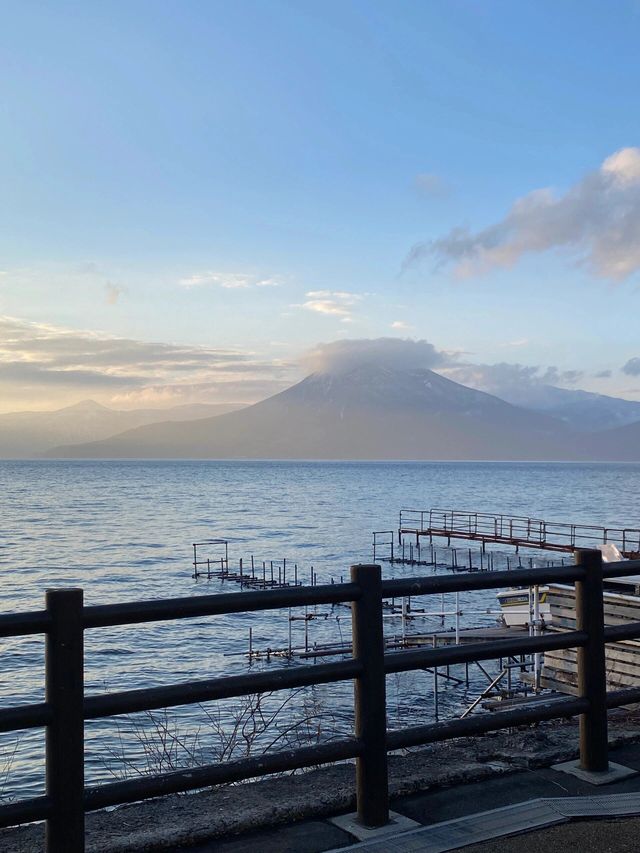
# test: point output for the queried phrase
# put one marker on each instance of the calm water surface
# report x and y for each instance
(123, 531)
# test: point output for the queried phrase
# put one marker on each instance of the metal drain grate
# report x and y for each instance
(610, 805)
(497, 823)
(472, 829)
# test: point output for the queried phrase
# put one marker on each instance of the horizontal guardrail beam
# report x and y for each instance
(25, 811)
(65, 621)
(429, 657)
(189, 692)
(620, 569)
(625, 696)
(23, 624)
(155, 610)
(131, 790)
(25, 717)
(96, 616)
(418, 735)
(473, 581)
(626, 631)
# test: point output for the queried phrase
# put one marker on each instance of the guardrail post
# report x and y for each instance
(592, 682)
(64, 688)
(372, 783)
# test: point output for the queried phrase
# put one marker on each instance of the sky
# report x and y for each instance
(197, 194)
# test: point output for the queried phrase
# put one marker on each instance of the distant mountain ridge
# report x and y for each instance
(27, 434)
(581, 410)
(368, 412)
(618, 445)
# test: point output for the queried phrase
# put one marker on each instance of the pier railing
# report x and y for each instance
(520, 531)
(66, 707)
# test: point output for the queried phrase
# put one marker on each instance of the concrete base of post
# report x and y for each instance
(614, 773)
(350, 823)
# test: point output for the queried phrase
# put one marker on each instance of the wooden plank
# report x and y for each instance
(559, 686)
(612, 656)
(615, 658)
(617, 608)
(613, 616)
(614, 674)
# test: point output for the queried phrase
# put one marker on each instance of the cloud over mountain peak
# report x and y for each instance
(395, 353)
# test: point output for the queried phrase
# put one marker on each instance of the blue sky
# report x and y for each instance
(251, 178)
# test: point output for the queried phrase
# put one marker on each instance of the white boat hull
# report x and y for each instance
(517, 607)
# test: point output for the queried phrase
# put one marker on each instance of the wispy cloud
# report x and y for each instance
(505, 377)
(229, 280)
(237, 390)
(597, 219)
(400, 326)
(334, 303)
(39, 361)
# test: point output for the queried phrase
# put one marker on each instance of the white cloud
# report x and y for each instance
(597, 219)
(229, 280)
(335, 303)
(506, 378)
(394, 353)
(624, 165)
(400, 326)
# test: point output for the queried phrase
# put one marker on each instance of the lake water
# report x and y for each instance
(123, 531)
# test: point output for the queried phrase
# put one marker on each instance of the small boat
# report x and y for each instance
(518, 606)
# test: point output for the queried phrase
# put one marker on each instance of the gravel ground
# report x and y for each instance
(601, 836)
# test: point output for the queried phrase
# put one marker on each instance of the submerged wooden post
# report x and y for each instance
(592, 677)
(64, 689)
(372, 783)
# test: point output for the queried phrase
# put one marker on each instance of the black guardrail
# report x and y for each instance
(66, 707)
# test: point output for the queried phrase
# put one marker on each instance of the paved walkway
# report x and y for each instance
(618, 836)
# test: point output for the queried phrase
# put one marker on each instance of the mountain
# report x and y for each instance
(27, 434)
(369, 412)
(581, 410)
(617, 445)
